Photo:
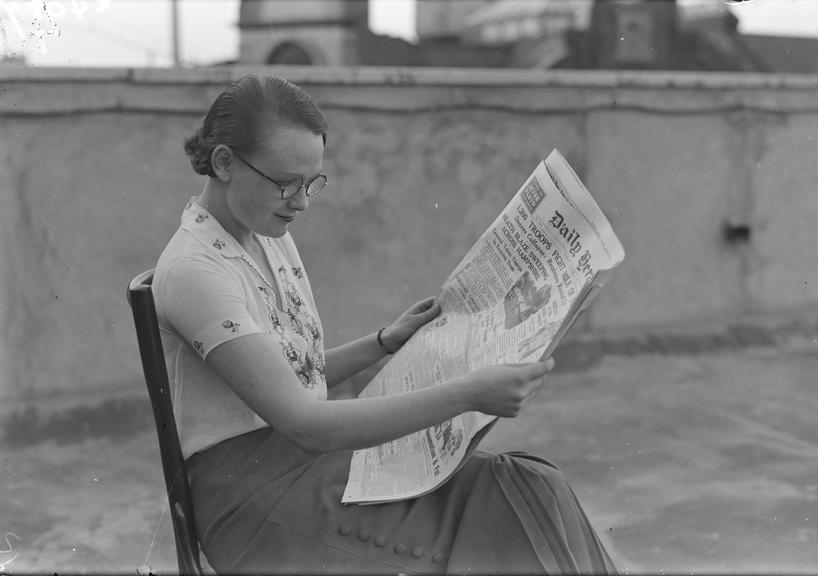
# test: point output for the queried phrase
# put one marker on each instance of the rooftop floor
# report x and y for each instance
(684, 463)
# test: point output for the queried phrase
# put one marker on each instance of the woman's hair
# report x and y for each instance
(242, 115)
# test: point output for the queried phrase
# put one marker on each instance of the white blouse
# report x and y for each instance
(207, 291)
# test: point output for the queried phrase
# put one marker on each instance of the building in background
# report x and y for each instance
(302, 32)
(581, 34)
(335, 32)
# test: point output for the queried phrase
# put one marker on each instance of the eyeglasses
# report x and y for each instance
(313, 186)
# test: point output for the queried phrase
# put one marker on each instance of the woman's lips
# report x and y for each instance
(286, 218)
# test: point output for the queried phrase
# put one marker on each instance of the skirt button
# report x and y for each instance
(363, 535)
(345, 530)
(400, 549)
(437, 558)
(417, 551)
(380, 541)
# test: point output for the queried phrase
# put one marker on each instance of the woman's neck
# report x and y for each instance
(214, 199)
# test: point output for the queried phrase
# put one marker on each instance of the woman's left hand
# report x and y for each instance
(396, 334)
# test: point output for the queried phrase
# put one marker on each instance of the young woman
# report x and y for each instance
(268, 454)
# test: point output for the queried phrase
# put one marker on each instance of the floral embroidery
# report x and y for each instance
(305, 373)
(312, 328)
(295, 322)
(218, 244)
(201, 218)
(320, 366)
(312, 370)
(295, 297)
(232, 326)
(289, 351)
(198, 346)
(307, 362)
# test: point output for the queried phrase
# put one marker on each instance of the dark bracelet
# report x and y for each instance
(381, 344)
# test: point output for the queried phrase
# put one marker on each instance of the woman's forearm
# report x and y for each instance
(261, 377)
(331, 425)
(265, 381)
(344, 361)
(350, 358)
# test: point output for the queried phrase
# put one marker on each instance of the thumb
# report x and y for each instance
(429, 310)
(541, 368)
(423, 306)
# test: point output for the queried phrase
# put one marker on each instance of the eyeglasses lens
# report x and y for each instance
(292, 188)
(314, 186)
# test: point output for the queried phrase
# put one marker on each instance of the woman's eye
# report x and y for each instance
(292, 183)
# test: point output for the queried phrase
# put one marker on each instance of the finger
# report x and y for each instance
(433, 310)
(547, 365)
(532, 393)
(534, 368)
(424, 305)
(426, 317)
(539, 369)
(427, 314)
(536, 382)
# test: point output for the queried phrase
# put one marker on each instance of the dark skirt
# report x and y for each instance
(263, 505)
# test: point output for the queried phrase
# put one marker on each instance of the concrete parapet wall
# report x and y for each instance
(420, 162)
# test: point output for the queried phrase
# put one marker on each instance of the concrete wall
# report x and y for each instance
(420, 162)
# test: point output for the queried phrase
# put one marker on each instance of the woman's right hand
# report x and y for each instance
(503, 389)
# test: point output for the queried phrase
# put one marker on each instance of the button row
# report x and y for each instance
(380, 542)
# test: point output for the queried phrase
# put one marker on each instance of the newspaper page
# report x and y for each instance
(511, 299)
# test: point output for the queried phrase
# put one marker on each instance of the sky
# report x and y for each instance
(138, 32)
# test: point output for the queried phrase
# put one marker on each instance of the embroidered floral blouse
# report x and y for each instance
(208, 290)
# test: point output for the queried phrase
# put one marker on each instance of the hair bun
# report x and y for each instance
(199, 154)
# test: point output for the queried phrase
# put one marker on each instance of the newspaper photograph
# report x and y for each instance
(511, 299)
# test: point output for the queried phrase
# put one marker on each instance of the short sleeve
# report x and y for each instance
(205, 303)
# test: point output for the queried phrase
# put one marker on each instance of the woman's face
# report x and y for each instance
(254, 202)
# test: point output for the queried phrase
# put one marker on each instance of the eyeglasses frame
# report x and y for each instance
(305, 185)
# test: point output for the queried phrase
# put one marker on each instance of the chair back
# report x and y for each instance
(140, 298)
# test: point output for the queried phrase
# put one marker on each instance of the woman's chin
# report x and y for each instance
(276, 231)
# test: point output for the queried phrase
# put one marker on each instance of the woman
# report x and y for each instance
(267, 454)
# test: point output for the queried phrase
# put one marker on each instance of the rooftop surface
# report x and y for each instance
(701, 462)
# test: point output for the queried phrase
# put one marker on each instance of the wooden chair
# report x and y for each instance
(140, 298)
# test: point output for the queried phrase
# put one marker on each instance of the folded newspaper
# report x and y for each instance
(511, 299)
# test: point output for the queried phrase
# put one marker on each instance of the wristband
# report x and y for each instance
(381, 344)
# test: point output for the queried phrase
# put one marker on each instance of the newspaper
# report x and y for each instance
(511, 299)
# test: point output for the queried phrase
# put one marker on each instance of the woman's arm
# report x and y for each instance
(348, 359)
(197, 295)
(246, 364)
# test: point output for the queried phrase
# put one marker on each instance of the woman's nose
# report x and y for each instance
(300, 201)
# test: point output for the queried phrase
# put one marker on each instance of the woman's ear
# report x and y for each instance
(221, 159)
